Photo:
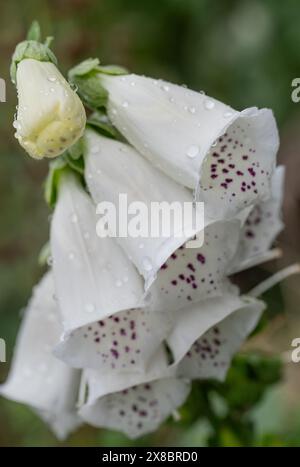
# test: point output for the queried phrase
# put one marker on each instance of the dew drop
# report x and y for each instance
(89, 308)
(119, 283)
(192, 151)
(74, 218)
(166, 88)
(192, 110)
(16, 125)
(52, 79)
(125, 104)
(227, 114)
(147, 263)
(71, 255)
(209, 104)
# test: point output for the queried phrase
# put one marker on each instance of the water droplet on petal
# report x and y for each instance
(166, 87)
(209, 104)
(74, 218)
(119, 283)
(71, 255)
(192, 151)
(141, 245)
(147, 263)
(16, 125)
(192, 110)
(227, 114)
(89, 308)
(125, 104)
(50, 260)
(52, 79)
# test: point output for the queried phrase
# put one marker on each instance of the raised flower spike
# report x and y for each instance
(50, 116)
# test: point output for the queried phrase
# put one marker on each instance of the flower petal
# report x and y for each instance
(37, 378)
(173, 127)
(93, 277)
(238, 168)
(193, 274)
(263, 223)
(139, 409)
(125, 341)
(210, 356)
(113, 168)
(99, 383)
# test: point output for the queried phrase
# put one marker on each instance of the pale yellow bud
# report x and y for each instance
(50, 116)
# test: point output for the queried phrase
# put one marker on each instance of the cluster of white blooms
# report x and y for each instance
(118, 328)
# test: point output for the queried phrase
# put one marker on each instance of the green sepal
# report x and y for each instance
(32, 48)
(77, 150)
(34, 33)
(71, 160)
(87, 78)
(56, 168)
(76, 165)
(101, 123)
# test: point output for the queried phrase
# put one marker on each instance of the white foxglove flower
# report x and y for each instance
(135, 404)
(226, 156)
(50, 116)
(207, 336)
(137, 410)
(37, 378)
(124, 342)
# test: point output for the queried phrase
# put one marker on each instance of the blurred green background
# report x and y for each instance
(245, 53)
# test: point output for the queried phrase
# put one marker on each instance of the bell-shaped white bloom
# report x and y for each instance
(206, 337)
(114, 168)
(140, 409)
(93, 277)
(50, 116)
(125, 341)
(133, 403)
(226, 156)
(211, 355)
(37, 378)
